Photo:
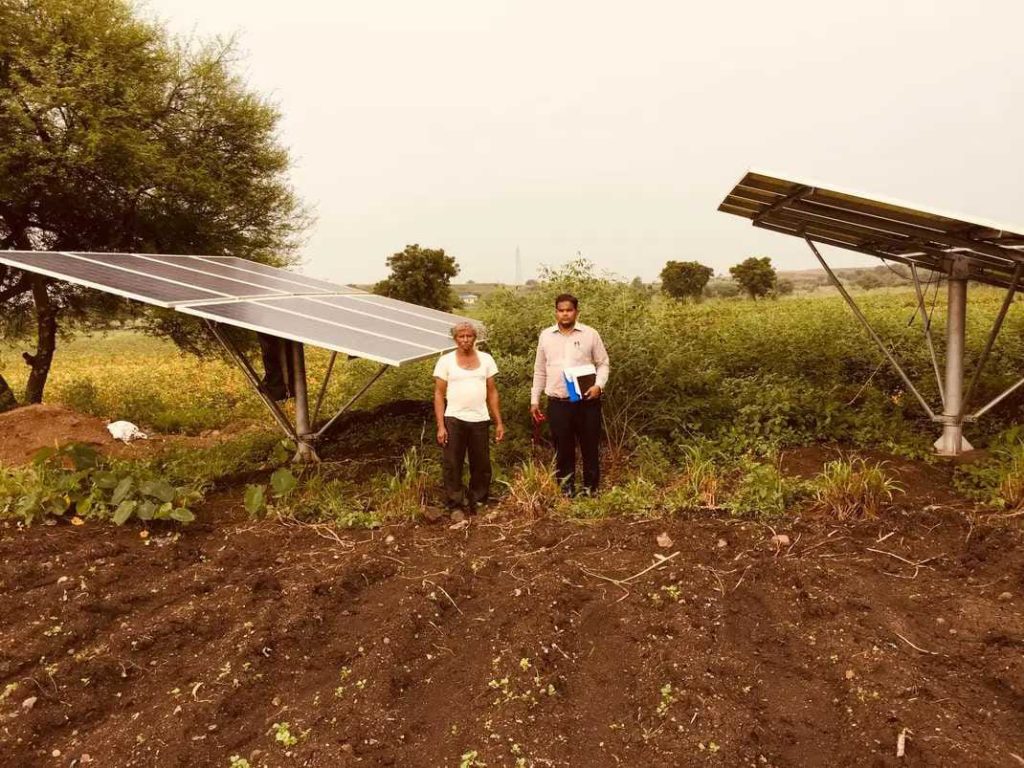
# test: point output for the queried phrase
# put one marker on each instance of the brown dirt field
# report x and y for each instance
(27, 429)
(419, 645)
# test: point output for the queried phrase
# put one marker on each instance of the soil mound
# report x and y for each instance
(27, 429)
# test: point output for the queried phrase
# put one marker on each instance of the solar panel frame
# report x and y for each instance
(880, 227)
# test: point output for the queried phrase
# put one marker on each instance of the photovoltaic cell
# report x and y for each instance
(373, 309)
(164, 271)
(321, 310)
(308, 283)
(104, 277)
(402, 308)
(267, 319)
(257, 282)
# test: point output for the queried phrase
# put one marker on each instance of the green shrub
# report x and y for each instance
(763, 491)
(74, 480)
(998, 481)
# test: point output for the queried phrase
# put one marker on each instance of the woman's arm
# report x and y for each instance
(440, 390)
(494, 406)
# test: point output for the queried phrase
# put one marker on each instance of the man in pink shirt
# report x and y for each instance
(569, 344)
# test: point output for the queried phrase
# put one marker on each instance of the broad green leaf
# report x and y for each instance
(104, 480)
(160, 490)
(255, 499)
(146, 510)
(122, 490)
(182, 515)
(283, 482)
(124, 511)
(84, 506)
(40, 456)
(82, 456)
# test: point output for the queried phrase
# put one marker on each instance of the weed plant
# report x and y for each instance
(533, 490)
(854, 489)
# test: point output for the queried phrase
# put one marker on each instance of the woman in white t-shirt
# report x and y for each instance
(465, 401)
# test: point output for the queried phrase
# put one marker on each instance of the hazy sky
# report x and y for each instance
(615, 129)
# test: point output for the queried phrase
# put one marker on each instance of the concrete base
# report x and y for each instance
(946, 447)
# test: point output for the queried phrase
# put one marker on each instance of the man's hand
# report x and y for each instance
(537, 414)
(442, 436)
(593, 393)
(499, 432)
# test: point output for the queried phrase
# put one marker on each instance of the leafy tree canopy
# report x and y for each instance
(755, 275)
(114, 136)
(422, 276)
(685, 279)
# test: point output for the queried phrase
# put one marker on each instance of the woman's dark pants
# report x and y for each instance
(472, 437)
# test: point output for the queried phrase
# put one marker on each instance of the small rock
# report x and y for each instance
(940, 620)
(780, 540)
(664, 540)
(722, 543)
(389, 539)
(1004, 596)
(29, 702)
(85, 758)
(56, 753)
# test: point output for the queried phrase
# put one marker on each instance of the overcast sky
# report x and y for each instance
(615, 129)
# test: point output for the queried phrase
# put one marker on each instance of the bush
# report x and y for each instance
(763, 491)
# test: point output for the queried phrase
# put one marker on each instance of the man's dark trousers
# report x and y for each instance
(572, 423)
(464, 437)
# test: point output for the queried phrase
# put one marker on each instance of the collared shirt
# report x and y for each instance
(557, 351)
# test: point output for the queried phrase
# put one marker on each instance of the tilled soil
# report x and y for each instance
(516, 644)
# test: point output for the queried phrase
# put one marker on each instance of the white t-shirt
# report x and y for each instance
(467, 390)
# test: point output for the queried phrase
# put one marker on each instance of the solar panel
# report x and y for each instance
(258, 297)
(121, 282)
(876, 226)
(266, 318)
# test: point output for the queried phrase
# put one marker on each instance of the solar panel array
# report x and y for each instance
(258, 297)
(878, 227)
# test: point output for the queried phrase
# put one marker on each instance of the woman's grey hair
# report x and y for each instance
(464, 326)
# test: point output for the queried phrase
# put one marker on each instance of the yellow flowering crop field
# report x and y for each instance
(125, 374)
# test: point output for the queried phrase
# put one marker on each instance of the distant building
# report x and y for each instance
(469, 299)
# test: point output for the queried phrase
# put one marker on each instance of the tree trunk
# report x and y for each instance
(46, 341)
(7, 398)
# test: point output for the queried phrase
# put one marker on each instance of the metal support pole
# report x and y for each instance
(236, 354)
(323, 430)
(926, 322)
(871, 331)
(995, 401)
(305, 452)
(952, 443)
(323, 387)
(996, 326)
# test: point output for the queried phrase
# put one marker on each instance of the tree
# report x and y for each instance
(116, 137)
(755, 275)
(685, 279)
(422, 276)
